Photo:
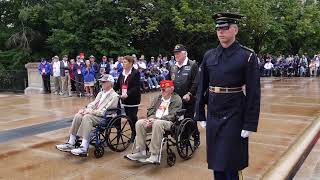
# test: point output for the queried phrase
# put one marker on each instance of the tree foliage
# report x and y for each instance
(35, 28)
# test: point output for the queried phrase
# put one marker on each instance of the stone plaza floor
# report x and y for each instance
(31, 125)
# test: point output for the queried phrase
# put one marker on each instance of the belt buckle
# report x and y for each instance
(216, 89)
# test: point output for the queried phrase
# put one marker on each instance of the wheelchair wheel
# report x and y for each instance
(171, 158)
(119, 133)
(186, 144)
(98, 151)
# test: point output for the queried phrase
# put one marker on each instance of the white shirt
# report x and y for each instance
(142, 65)
(136, 66)
(268, 65)
(126, 75)
(116, 64)
(185, 62)
(56, 69)
(103, 96)
(65, 63)
(112, 66)
(317, 62)
(163, 109)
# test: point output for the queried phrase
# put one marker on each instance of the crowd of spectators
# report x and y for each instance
(289, 66)
(79, 76)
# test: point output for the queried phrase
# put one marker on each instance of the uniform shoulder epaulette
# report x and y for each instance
(244, 47)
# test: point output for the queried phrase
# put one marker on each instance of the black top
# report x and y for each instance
(133, 83)
(184, 78)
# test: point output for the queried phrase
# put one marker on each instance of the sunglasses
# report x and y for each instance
(225, 28)
(163, 89)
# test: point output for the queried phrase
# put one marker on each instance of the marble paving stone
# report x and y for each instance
(288, 107)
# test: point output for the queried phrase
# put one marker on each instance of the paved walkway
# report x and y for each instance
(288, 107)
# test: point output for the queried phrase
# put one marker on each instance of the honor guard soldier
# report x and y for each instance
(231, 74)
(183, 73)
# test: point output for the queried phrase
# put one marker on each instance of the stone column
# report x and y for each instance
(35, 84)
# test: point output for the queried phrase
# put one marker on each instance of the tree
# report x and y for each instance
(100, 27)
(43, 28)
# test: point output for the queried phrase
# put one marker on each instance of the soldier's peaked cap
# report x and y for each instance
(223, 19)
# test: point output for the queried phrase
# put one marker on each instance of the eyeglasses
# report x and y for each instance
(163, 89)
(225, 28)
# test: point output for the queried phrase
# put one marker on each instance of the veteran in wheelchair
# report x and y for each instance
(88, 118)
(162, 122)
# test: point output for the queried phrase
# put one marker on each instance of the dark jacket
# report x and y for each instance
(95, 68)
(105, 66)
(133, 83)
(77, 67)
(184, 78)
(63, 68)
(174, 106)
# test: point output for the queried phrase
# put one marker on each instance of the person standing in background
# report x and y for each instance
(56, 73)
(65, 76)
(44, 70)
(183, 73)
(77, 70)
(128, 86)
(72, 77)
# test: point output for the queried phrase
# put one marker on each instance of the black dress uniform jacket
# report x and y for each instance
(229, 113)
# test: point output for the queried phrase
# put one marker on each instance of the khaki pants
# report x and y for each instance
(82, 125)
(158, 129)
(66, 86)
(57, 84)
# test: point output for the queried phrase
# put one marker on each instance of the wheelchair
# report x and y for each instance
(181, 135)
(115, 132)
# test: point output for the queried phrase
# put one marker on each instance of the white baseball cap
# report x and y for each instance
(107, 77)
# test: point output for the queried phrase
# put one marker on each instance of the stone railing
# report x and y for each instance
(290, 162)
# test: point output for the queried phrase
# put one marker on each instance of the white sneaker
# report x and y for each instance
(79, 151)
(153, 87)
(65, 147)
(158, 86)
(137, 156)
(153, 159)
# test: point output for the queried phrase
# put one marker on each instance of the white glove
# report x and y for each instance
(203, 124)
(245, 133)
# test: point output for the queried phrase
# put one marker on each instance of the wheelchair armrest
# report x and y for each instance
(113, 109)
(112, 112)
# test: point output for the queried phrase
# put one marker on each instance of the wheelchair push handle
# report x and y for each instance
(115, 111)
(180, 114)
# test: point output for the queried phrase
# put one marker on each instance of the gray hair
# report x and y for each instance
(185, 52)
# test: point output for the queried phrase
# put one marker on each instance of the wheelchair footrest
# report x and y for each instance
(84, 155)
